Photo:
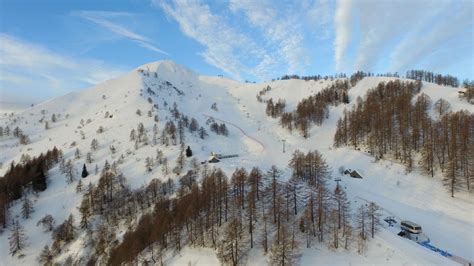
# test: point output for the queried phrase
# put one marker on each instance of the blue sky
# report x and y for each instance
(51, 47)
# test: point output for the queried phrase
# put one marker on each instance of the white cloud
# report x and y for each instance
(102, 18)
(225, 47)
(281, 30)
(343, 26)
(23, 64)
(270, 43)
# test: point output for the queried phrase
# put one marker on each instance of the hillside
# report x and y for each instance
(154, 93)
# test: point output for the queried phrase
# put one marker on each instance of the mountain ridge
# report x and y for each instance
(109, 111)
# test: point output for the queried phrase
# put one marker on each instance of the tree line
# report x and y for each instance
(110, 203)
(31, 173)
(249, 210)
(275, 109)
(105, 206)
(314, 109)
(468, 93)
(423, 75)
(17, 133)
(312, 77)
(390, 121)
(219, 129)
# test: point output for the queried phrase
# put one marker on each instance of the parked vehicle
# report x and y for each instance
(410, 227)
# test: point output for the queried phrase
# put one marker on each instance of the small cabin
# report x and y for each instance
(355, 174)
(213, 159)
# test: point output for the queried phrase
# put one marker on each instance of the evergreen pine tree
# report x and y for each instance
(39, 179)
(84, 171)
(189, 152)
(79, 186)
(46, 256)
(26, 208)
(17, 239)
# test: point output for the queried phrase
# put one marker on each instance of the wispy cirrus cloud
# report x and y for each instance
(268, 41)
(282, 31)
(437, 38)
(319, 15)
(23, 64)
(379, 33)
(400, 34)
(225, 47)
(104, 20)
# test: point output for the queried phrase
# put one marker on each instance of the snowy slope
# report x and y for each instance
(257, 138)
(7, 108)
(409, 196)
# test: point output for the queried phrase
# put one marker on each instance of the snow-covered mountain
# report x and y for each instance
(109, 111)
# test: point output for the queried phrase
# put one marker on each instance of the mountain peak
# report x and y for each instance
(166, 66)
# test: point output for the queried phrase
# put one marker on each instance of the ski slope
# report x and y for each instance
(255, 137)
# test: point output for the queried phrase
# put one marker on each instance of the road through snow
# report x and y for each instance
(428, 244)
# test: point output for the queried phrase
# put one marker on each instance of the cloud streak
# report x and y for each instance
(343, 24)
(379, 32)
(102, 18)
(431, 38)
(399, 34)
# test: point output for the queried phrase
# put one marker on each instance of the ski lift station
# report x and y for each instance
(215, 157)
